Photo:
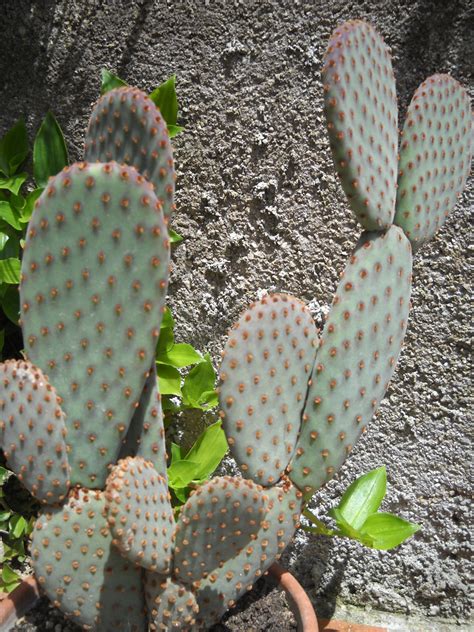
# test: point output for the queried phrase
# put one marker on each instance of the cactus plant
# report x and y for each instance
(107, 548)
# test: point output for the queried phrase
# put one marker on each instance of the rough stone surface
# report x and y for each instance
(260, 208)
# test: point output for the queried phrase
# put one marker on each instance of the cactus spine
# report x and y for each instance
(88, 439)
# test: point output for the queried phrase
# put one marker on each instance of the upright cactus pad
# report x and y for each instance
(80, 571)
(94, 279)
(435, 157)
(264, 375)
(171, 606)
(139, 514)
(32, 431)
(358, 352)
(126, 126)
(361, 110)
(237, 569)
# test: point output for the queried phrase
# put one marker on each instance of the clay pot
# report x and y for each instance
(17, 603)
(298, 600)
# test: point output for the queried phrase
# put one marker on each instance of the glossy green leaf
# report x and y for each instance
(181, 473)
(209, 450)
(388, 531)
(10, 215)
(10, 304)
(110, 81)
(363, 497)
(28, 209)
(49, 151)
(169, 380)
(10, 270)
(174, 237)
(345, 529)
(180, 355)
(18, 526)
(13, 183)
(13, 148)
(9, 579)
(198, 383)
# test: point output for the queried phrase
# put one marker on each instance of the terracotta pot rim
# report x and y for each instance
(299, 601)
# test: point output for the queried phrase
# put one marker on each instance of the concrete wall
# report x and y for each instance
(260, 209)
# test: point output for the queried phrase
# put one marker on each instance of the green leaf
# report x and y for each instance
(388, 531)
(164, 344)
(167, 320)
(209, 450)
(49, 151)
(9, 579)
(346, 530)
(10, 304)
(174, 237)
(10, 270)
(164, 97)
(11, 247)
(18, 526)
(169, 380)
(28, 209)
(176, 454)
(363, 497)
(13, 148)
(179, 355)
(181, 473)
(4, 474)
(5, 515)
(110, 81)
(2, 339)
(10, 215)
(13, 183)
(198, 383)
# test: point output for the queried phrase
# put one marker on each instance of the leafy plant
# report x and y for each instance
(357, 516)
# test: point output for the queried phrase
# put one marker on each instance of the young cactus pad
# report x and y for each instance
(126, 126)
(435, 157)
(264, 375)
(32, 431)
(79, 569)
(358, 352)
(360, 105)
(171, 606)
(139, 514)
(94, 280)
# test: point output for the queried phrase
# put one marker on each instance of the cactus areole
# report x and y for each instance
(80, 419)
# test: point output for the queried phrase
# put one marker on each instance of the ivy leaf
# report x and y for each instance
(199, 382)
(169, 379)
(13, 183)
(10, 270)
(13, 148)
(363, 497)
(49, 151)
(388, 531)
(208, 450)
(110, 81)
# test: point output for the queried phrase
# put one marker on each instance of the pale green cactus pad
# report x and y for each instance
(264, 375)
(81, 572)
(126, 126)
(94, 280)
(139, 514)
(360, 105)
(32, 431)
(435, 157)
(358, 352)
(238, 568)
(170, 605)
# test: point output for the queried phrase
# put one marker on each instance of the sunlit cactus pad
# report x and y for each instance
(146, 433)
(361, 110)
(81, 572)
(139, 513)
(126, 126)
(170, 605)
(236, 569)
(32, 431)
(359, 349)
(264, 375)
(94, 279)
(435, 157)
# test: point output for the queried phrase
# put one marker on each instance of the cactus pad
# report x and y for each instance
(435, 157)
(126, 126)
(171, 606)
(236, 571)
(361, 110)
(94, 278)
(139, 514)
(80, 571)
(358, 351)
(32, 431)
(264, 376)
